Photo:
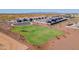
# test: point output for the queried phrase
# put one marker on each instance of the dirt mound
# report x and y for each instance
(7, 43)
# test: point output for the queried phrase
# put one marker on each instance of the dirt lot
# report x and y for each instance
(69, 41)
(7, 43)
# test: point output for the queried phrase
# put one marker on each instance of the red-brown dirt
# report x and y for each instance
(8, 43)
(68, 41)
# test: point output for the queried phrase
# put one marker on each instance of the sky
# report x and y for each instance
(39, 10)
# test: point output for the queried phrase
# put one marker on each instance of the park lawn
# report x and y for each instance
(37, 35)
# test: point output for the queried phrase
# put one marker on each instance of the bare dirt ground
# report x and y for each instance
(69, 41)
(8, 43)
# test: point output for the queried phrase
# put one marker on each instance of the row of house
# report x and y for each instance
(51, 20)
(37, 20)
(24, 21)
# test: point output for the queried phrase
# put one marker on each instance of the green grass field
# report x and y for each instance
(37, 35)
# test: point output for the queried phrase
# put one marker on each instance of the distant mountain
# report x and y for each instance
(38, 11)
(43, 13)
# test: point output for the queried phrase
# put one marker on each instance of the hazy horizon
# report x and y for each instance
(39, 11)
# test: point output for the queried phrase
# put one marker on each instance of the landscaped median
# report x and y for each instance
(36, 35)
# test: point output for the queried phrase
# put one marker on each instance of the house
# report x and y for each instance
(19, 21)
(55, 20)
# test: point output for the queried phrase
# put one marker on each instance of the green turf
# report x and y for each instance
(36, 35)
